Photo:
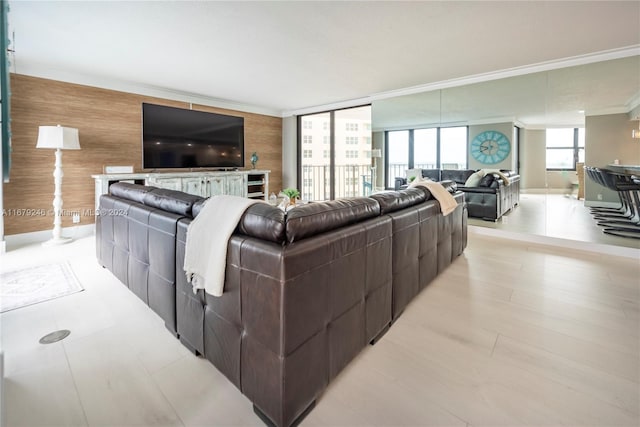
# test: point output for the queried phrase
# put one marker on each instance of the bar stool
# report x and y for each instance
(628, 188)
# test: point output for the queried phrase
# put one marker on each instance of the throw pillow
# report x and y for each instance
(413, 172)
(416, 181)
(487, 180)
(474, 179)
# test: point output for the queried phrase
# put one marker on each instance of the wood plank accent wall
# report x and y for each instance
(110, 129)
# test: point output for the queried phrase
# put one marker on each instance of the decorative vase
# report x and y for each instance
(292, 200)
(254, 159)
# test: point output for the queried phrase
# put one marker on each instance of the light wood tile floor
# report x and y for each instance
(555, 215)
(511, 334)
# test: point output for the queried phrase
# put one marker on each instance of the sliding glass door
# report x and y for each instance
(335, 154)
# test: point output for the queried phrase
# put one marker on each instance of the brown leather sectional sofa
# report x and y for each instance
(491, 199)
(304, 292)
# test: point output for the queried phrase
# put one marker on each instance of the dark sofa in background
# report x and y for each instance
(304, 291)
(491, 199)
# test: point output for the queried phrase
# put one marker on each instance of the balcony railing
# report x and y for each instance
(351, 181)
(399, 170)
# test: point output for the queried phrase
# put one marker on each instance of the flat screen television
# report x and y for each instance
(178, 138)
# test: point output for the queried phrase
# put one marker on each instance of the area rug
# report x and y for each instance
(32, 285)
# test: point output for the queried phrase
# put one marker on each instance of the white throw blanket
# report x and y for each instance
(205, 257)
(446, 200)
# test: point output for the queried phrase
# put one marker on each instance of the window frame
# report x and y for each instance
(410, 146)
(331, 126)
(575, 147)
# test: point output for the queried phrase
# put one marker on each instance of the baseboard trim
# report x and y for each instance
(15, 241)
(599, 248)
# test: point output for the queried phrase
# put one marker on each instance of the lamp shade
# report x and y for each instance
(58, 137)
(376, 152)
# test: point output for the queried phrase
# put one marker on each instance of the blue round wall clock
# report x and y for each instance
(490, 147)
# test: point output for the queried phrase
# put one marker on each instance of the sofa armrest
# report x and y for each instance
(399, 182)
(478, 190)
(450, 186)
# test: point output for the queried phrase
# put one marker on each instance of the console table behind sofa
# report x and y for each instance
(489, 200)
(253, 183)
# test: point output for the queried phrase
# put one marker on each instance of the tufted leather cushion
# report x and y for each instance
(170, 200)
(264, 222)
(395, 200)
(315, 218)
(125, 190)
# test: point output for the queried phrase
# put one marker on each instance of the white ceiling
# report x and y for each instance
(287, 57)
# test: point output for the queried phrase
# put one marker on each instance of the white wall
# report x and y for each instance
(533, 159)
(561, 180)
(533, 165)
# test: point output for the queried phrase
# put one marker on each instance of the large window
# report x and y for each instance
(453, 148)
(397, 153)
(433, 148)
(565, 147)
(344, 169)
(425, 148)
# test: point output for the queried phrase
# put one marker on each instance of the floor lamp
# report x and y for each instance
(59, 138)
(376, 153)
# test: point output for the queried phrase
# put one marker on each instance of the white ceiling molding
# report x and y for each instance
(141, 89)
(493, 120)
(607, 111)
(590, 58)
(634, 102)
(488, 121)
(329, 107)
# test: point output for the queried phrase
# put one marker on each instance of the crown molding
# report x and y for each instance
(634, 102)
(42, 71)
(35, 70)
(606, 55)
(606, 111)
